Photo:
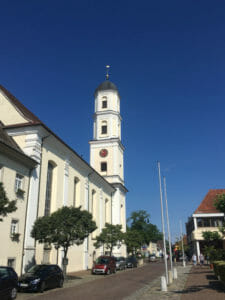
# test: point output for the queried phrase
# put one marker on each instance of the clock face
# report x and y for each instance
(103, 153)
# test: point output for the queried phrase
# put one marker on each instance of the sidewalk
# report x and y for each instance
(203, 284)
(195, 283)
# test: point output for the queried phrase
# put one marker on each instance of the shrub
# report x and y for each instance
(221, 271)
(216, 265)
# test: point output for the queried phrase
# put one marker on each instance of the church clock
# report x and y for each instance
(103, 153)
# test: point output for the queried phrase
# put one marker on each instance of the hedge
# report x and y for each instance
(219, 269)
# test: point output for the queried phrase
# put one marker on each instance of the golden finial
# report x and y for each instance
(107, 72)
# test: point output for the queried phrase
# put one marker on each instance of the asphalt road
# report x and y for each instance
(116, 286)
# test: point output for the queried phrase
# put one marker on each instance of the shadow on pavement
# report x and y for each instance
(213, 285)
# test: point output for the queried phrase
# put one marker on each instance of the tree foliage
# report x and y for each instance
(140, 221)
(64, 228)
(133, 240)
(213, 240)
(220, 203)
(6, 206)
(110, 237)
(212, 247)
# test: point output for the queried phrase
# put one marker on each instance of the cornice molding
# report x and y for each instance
(107, 142)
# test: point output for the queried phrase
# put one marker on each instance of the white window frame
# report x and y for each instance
(13, 260)
(14, 227)
(19, 182)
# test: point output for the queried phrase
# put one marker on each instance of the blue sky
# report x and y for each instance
(168, 61)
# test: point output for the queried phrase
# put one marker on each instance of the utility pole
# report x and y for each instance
(163, 227)
(182, 243)
(168, 224)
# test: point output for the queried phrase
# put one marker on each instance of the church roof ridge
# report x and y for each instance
(24, 110)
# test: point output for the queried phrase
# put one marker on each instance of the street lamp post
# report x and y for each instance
(163, 227)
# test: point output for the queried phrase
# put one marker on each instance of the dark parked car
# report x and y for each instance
(131, 262)
(8, 283)
(104, 265)
(120, 263)
(41, 277)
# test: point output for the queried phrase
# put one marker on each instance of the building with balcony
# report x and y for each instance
(205, 218)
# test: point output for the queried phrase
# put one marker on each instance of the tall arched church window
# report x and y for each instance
(104, 127)
(48, 193)
(93, 203)
(76, 192)
(107, 211)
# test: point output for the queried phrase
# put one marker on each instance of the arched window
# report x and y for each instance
(93, 210)
(93, 203)
(48, 193)
(76, 192)
(104, 127)
(107, 212)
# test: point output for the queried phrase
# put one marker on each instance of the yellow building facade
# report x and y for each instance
(60, 177)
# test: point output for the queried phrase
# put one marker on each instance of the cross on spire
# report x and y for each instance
(107, 72)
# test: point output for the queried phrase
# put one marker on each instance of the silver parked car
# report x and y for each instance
(120, 263)
(152, 257)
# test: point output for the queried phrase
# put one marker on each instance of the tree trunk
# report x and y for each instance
(65, 262)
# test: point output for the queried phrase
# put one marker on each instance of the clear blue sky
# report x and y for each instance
(167, 59)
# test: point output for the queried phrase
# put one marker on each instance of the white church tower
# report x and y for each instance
(106, 149)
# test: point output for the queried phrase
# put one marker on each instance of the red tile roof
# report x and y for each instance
(207, 204)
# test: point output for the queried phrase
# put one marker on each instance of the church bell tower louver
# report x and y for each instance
(106, 149)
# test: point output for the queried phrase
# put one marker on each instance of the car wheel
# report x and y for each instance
(60, 284)
(132, 265)
(108, 272)
(13, 293)
(42, 287)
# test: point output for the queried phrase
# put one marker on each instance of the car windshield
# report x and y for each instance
(102, 260)
(37, 269)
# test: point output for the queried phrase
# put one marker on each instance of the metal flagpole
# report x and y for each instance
(163, 227)
(182, 243)
(168, 223)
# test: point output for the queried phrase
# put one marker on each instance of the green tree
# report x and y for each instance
(140, 221)
(6, 206)
(133, 240)
(212, 248)
(64, 228)
(110, 237)
(220, 203)
(213, 240)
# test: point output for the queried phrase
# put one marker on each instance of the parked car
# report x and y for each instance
(131, 262)
(104, 265)
(8, 283)
(41, 277)
(152, 257)
(120, 263)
